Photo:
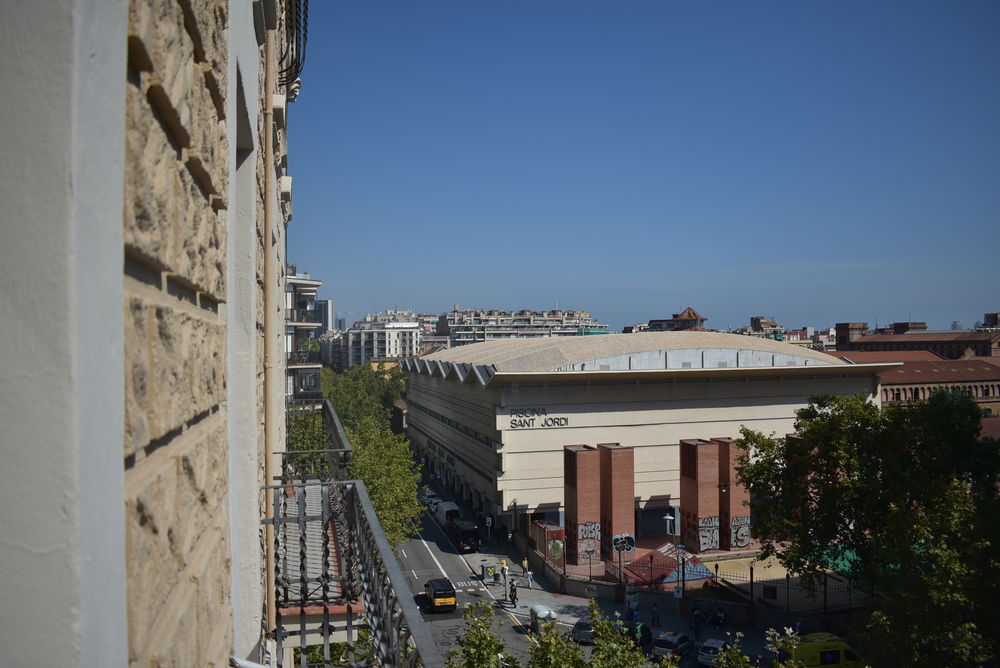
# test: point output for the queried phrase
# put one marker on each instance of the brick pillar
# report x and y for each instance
(700, 495)
(582, 485)
(617, 493)
(734, 499)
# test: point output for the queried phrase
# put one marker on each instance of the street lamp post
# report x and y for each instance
(679, 552)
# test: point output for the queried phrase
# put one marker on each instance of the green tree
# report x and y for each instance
(384, 461)
(613, 646)
(362, 390)
(905, 500)
(554, 649)
(309, 345)
(481, 646)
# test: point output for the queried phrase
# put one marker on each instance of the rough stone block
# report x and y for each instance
(137, 370)
(152, 569)
(172, 641)
(200, 235)
(188, 376)
(211, 576)
(201, 487)
(151, 197)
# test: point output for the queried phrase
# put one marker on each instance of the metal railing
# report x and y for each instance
(336, 576)
(305, 357)
(303, 315)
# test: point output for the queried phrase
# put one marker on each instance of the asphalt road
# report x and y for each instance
(432, 555)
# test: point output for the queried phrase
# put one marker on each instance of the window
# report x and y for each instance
(829, 657)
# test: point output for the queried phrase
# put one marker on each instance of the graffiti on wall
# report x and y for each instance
(708, 533)
(587, 535)
(740, 536)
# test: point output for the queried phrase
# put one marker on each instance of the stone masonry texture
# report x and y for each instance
(174, 222)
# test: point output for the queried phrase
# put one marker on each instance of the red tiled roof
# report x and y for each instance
(944, 371)
(866, 357)
(688, 314)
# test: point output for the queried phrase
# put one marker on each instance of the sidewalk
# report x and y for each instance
(570, 609)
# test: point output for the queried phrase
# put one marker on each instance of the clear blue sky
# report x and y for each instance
(812, 161)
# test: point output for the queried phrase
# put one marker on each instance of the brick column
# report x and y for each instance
(617, 493)
(700, 495)
(734, 499)
(582, 486)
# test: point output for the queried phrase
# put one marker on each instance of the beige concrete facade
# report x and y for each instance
(159, 225)
(497, 433)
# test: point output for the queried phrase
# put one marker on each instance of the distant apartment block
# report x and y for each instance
(395, 334)
(328, 324)
(302, 321)
(908, 336)
(467, 326)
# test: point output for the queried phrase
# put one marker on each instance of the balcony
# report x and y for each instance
(335, 574)
(303, 317)
(304, 358)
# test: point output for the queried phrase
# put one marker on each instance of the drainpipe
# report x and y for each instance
(271, 434)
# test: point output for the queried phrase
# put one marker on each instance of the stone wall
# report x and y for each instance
(176, 447)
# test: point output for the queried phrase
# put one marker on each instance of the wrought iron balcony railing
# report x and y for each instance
(336, 577)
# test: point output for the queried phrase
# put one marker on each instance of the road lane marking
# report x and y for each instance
(428, 548)
(414, 573)
(404, 552)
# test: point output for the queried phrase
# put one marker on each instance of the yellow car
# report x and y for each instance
(440, 594)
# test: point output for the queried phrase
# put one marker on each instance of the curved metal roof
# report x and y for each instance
(555, 353)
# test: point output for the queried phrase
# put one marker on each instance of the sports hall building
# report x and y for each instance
(494, 419)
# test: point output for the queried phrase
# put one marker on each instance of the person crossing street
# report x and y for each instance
(513, 593)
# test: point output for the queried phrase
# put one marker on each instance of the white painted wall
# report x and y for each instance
(241, 364)
(62, 560)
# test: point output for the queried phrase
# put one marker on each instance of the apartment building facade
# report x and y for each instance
(463, 327)
(303, 319)
(142, 405)
(395, 334)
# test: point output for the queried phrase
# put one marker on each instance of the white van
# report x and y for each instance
(447, 512)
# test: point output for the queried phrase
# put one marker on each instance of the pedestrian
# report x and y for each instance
(524, 566)
(530, 577)
(513, 593)
(798, 627)
(635, 615)
(655, 612)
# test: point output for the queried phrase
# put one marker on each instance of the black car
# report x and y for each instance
(583, 632)
(465, 535)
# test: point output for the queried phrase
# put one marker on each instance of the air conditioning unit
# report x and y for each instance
(285, 188)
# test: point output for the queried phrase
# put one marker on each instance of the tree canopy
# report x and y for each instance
(363, 399)
(904, 499)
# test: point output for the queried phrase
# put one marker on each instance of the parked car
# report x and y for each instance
(440, 595)
(671, 643)
(710, 651)
(583, 632)
(428, 495)
(465, 535)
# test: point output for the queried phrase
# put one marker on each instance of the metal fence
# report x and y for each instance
(337, 584)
